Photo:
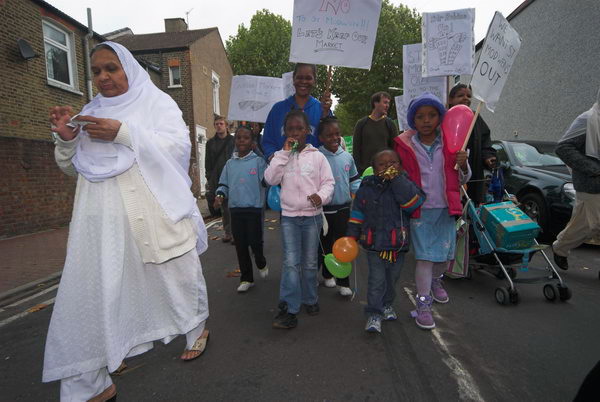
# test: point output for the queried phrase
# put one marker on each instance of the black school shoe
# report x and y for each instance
(562, 262)
(284, 320)
(312, 309)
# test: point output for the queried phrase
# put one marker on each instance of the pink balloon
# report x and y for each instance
(455, 127)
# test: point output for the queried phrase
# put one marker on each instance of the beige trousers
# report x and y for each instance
(584, 224)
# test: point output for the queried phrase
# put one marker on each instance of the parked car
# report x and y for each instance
(540, 180)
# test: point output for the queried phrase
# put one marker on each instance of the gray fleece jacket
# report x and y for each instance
(586, 170)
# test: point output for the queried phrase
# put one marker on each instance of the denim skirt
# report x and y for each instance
(433, 235)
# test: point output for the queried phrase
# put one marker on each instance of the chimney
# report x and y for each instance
(175, 25)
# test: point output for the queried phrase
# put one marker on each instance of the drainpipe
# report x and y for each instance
(86, 56)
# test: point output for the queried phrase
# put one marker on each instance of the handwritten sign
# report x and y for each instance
(252, 97)
(502, 43)
(288, 84)
(335, 32)
(448, 42)
(401, 112)
(414, 83)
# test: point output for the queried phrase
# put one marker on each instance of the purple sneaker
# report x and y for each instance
(422, 314)
(437, 290)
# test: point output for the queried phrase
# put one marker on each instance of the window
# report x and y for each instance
(174, 76)
(60, 56)
(216, 85)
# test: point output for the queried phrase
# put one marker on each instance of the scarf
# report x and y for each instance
(587, 123)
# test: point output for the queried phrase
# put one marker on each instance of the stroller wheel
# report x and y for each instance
(564, 293)
(502, 296)
(551, 292)
(513, 296)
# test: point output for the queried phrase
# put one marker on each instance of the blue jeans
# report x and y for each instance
(383, 276)
(300, 255)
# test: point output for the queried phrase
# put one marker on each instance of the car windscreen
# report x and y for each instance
(528, 155)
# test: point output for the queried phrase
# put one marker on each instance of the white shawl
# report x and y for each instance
(159, 138)
(587, 123)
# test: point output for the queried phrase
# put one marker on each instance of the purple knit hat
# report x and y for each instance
(426, 99)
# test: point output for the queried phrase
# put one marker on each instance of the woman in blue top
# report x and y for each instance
(305, 78)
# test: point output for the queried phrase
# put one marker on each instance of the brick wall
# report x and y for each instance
(207, 55)
(25, 95)
(34, 194)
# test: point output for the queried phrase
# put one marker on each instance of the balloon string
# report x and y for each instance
(354, 265)
(354, 268)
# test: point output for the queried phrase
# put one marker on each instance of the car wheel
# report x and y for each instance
(534, 205)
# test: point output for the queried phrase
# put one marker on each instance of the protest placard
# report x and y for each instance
(500, 48)
(414, 83)
(335, 32)
(448, 42)
(401, 112)
(288, 84)
(252, 97)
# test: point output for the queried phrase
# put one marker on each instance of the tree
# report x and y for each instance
(353, 87)
(262, 49)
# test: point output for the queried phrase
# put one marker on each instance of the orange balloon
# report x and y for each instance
(345, 249)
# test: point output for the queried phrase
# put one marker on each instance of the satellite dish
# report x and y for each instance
(26, 50)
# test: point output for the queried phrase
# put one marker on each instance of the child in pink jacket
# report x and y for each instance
(306, 184)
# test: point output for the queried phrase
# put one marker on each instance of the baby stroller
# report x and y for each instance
(506, 263)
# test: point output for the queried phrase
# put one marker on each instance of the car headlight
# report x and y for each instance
(569, 191)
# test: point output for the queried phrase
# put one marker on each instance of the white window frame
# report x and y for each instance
(216, 84)
(201, 155)
(71, 57)
(171, 85)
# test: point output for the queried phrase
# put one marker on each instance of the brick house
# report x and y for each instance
(34, 194)
(195, 72)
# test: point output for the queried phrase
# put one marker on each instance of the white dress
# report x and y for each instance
(110, 305)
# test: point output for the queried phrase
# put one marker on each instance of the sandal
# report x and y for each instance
(198, 346)
(108, 395)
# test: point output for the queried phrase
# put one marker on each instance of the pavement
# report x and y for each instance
(29, 261)
(480, 351)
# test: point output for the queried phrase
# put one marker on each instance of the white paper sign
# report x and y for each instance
(448, 42)
(502, 43)
(288, 84)
(414, 83)
(252, 97)
(401, 112)
(335, 32)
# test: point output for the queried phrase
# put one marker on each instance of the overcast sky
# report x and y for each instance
(148, 16)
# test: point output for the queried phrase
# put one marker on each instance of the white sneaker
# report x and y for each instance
(244, 286)
(344, 291)
(329, 283)
(264, 272)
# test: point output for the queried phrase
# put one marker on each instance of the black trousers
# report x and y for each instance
(338, 222)
(247, 229)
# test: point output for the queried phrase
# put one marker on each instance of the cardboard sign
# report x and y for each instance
(401, 112)
(414, 83)
(252, 97)
(502, 43)
(335, 32)
(288, 84)
(448, 42)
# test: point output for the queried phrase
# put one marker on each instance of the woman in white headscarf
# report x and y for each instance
(579, 148)
(132, 273)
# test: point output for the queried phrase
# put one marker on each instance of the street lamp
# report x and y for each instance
(396, 89)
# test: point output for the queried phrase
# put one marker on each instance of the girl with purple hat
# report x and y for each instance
(431, 167)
